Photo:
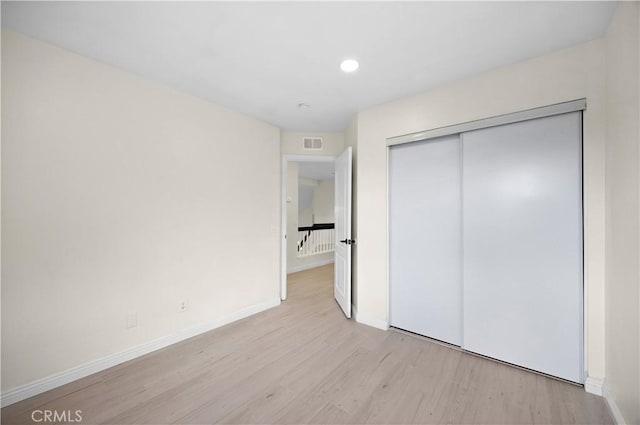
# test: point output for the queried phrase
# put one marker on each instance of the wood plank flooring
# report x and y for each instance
(304, 363)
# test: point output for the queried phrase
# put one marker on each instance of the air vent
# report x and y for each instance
(312, 143)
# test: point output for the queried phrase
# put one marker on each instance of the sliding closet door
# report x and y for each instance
(424, 220)
(522, 238)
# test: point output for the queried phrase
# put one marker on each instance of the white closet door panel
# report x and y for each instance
(425, 222)
(522, 239)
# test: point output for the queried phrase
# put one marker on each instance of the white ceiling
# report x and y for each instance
(265, 58)
(316, 170)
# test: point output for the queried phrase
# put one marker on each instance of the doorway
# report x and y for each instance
(308, 222)
(341, 238)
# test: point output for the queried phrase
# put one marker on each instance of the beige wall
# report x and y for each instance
(292, 214)
(122, 196)
(324, 202)
(573, 73)
(291, 144)
(622, 212)
(305, 218)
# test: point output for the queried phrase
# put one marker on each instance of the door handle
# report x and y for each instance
(348, 241)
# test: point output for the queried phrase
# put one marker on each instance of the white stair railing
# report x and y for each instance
(316, 241)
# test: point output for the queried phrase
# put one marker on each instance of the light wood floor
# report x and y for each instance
(304, 363)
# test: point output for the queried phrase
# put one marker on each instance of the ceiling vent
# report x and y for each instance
(312, 143)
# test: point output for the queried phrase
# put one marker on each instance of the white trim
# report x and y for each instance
(283, 230)
(308, 158)
(529, 114)
(308, 266)
(387, 247)
(613, 407)
(376, 323)
(594, 386)
(61, 378)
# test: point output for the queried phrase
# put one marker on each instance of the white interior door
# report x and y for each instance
(522, 227)
(342, 273)
(425, 222)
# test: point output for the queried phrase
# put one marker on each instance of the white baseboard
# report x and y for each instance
(58, 379)
(308, 266)
(613, 407)
(376, 323)
(594, 386)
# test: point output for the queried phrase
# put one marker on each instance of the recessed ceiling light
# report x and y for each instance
(349, 65)
(304, 105)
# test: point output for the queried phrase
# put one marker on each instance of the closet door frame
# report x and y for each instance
(529, 114)
(525, 115)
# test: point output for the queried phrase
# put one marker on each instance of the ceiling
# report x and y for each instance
(316, 170)
(264, 58)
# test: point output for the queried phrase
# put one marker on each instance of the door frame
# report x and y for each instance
(286, 158)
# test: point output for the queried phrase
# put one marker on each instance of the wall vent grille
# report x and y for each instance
(312, 143)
